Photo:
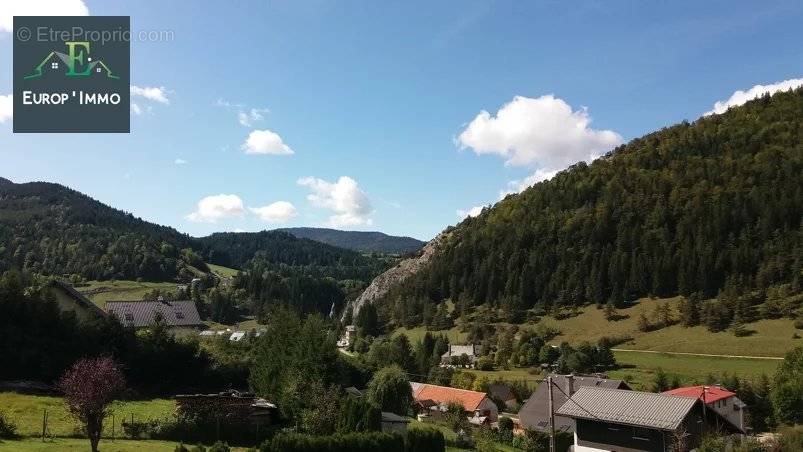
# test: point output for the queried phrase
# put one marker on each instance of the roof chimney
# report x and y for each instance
(569, 385)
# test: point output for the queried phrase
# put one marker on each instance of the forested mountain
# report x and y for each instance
(706, 208)
(53, 230)
(372, 242)
(48, 228)
(235, 249)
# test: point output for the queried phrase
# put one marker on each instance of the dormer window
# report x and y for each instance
(179, 315)
(129, 316)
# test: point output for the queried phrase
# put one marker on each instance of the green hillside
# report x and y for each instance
(706, 209)
(51, 229)
(365, 241)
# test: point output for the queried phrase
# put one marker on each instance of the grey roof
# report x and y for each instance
(500, 391)
(535, 411)
(77, 296)
(643, 409)
(394, 418)
(139, 314)
(458, 350)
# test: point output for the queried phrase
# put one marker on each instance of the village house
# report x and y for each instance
(237, 336)
(234, 406)
(433, 400)
(502, 393)
(619, 420)
(534, 414)
(392, 422)
(178, 316)
(348, 336)
(460, 355)
(724, 402)
(70, 300)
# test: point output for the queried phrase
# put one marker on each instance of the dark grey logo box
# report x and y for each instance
(72, 74)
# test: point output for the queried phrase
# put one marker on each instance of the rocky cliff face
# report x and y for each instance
(401, 271)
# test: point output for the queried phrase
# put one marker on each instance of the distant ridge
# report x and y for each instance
(365, 241)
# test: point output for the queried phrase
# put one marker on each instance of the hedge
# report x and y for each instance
(411, 441)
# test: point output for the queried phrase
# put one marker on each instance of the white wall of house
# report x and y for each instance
(727, 408)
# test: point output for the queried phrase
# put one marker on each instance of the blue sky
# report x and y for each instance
(379, 102)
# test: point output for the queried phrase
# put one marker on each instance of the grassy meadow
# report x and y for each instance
(221, 271)
(82, 445)
(768, 338)
(26, 412)
(122, 290)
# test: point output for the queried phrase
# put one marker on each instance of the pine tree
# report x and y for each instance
(610, 311)
(644, 323)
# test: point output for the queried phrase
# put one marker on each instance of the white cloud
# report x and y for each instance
(277, 212)
(6, 108)
(180, 161)
(350, 205)
(151, 93)
(542, 131)
(740, 97)
(265, 142)
(135, 109)
(247, 118)
(11, 8)
(519, 185)
(472, 212)
(217, 207)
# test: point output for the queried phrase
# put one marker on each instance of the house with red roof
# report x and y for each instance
(716, 398)
(433, 399)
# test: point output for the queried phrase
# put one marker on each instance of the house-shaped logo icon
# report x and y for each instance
(76, 62)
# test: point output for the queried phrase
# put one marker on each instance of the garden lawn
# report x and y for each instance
(26, 412)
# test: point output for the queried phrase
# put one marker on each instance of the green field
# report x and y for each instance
(223, 272)
(82, 445)
(26, 412)
(691, 369)
(769, 338)
(415, 334)
(122, 290)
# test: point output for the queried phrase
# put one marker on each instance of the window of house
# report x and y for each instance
(129, 316)
(613, 427)
(641, 433)
(54, 65)
(179, 315)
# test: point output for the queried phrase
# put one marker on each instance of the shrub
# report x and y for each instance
(136, 430)
(424, 440)
(505, 423)
(792, 438)
(219, 447)
(799, 324)
(356, 442)
(181, 448)
(485, 363)
(8, 430)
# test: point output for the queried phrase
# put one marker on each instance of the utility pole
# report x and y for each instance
(551, 417)
(705, 417)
